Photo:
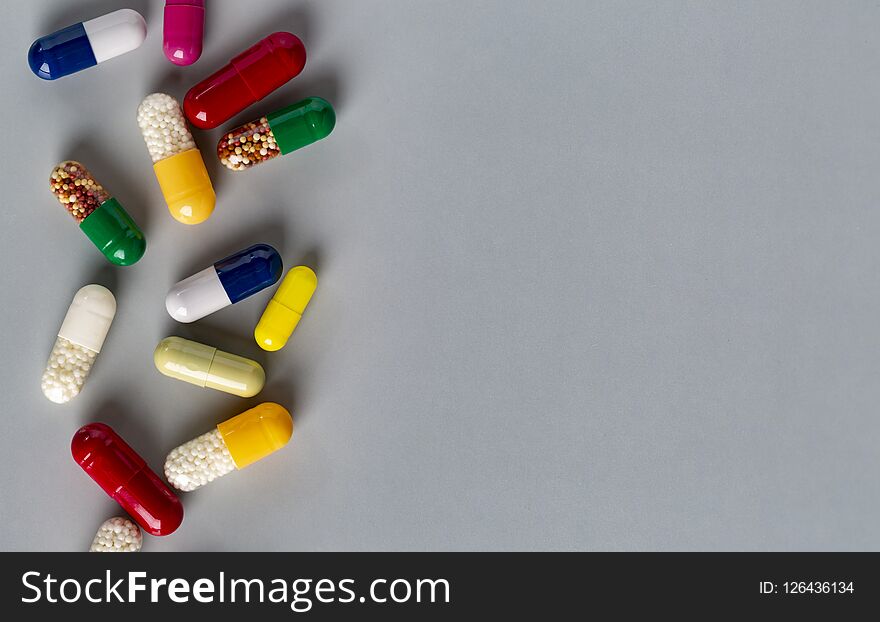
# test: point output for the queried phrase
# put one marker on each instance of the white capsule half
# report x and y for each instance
(163, 127)
(197, 296)
(117, 535)
(198, 462)
(115, 34)
(79, 341)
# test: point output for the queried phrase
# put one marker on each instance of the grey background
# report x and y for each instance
(593, 275)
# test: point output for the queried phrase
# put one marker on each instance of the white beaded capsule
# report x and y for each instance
(79, 341)
(178, 165)
(117, 535)
(163, 127)
(233, 444)
(199, 461)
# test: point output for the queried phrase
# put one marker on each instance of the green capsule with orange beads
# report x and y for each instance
(100, 216)
(278, 133)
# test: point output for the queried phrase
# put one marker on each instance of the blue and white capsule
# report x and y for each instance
(228, 281)
(86, 44)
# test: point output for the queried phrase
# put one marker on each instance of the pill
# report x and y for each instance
(284, 311)
(79, 341)
(177, 162)
(86, 44)
(117, 535)
(206, 366)
(230, 280)
(182, 30)
(100, 216)
(233, 444)
(245, 80)
(123, 474)
(278, 133)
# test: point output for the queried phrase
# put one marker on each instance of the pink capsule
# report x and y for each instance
(183, 29)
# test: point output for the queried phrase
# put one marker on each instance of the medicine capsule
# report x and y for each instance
(247, 79)
(228, 281)
(177, 162)
(285, 310)
(79, 341)
(86, 44)
(205, 366)
(123, 474)
(101, 217)
(182, 30)
(117, 535)
(278, 133)
(233, 444)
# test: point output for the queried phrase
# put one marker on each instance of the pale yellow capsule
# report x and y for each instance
(206, 366)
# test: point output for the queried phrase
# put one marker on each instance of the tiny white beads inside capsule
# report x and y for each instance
(66, 371)
(117, 535)
(163, 127)
(199, 461)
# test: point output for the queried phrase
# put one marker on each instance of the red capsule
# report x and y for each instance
(123, 474)
(247, 79)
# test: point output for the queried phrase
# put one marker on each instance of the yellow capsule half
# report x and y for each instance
(186, 186)
(176, 160)
(284, 311)
(256, 433)
(206, 366)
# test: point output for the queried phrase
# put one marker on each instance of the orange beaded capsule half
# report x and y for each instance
(100, 216)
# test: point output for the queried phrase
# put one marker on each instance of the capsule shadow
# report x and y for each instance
(204, 419)
(323, 82)
(207, 145)
(298, 20)
(312, 259)
(174, 83)
(105, 275)
(75, 12)
(128, 189)
(281, 391)
(241, 344)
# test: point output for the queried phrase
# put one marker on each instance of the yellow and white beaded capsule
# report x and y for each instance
(117, 535)
(79, 341)
(177, 162)
(233, 444)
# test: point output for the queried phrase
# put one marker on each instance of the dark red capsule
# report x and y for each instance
(123, 474)
(247, 79)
